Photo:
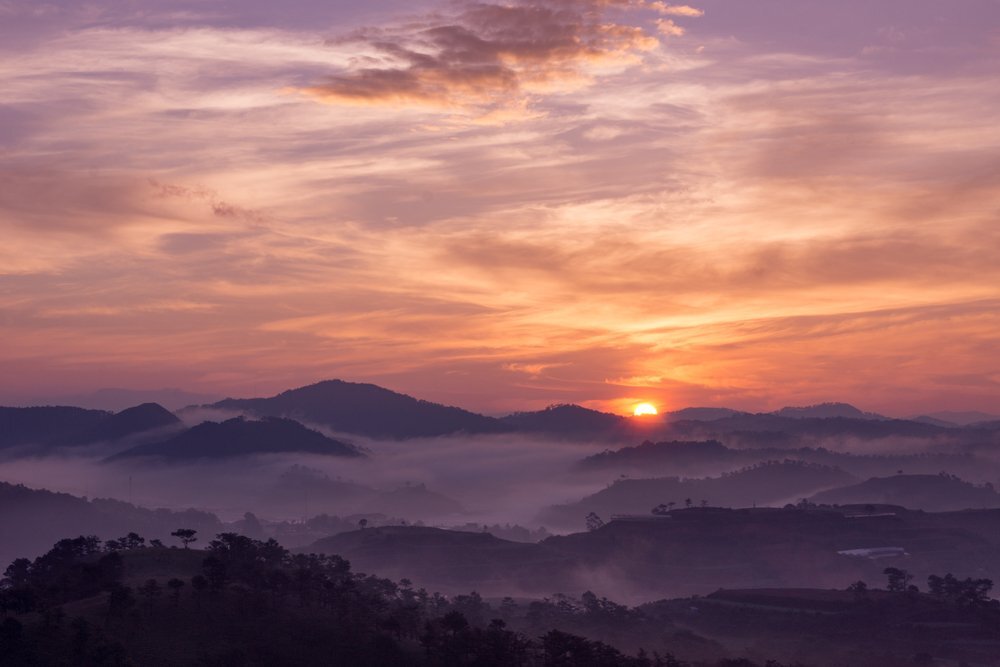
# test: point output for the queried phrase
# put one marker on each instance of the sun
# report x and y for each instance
(644, 409)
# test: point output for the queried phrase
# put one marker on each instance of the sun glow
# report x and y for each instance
(644, 409)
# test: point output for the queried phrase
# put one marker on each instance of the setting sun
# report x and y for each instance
(644, 409)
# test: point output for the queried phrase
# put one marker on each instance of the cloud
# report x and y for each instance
(487, 55)
(675, 10)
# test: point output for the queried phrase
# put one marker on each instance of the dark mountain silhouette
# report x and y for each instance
(365, 409)
(937, 493)
(765, 483)
(934, 421)
(116, 399)
(32, 519)
(241, 437)
(701, 458)
(673, 454)
(128, 423)
(963, 418)
(755, 430)
(45, 425)
(703, 414)
(825, 411)
(566, 420)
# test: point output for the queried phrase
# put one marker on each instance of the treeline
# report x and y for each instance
(251, 602)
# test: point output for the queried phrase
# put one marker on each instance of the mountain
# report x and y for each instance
(652, 455)
(242, 437)
(936, 493)
(116, 399)
(45, 425)
(826, 411)
(565, 420)
(703, 414)
(365, 409)
(768, 483)
(963, 418)
(772, 430)
(128, 423)
(702, 458)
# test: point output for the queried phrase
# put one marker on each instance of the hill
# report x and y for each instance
(129, 423)
(773, 430)
(936, 493)
(703, 414)
(826, 411)
(301, 490)
(44, 425)
(365, 409)
(241, 437)
(451, 561)
(688, 552)
(772, 482)
(566, 421)
(708, 457)
(31, 520)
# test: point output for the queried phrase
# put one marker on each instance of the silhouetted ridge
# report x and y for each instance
(365, 409)
(44, 425)
(826, 411)
(564, 420)
(675, 452)
(129, 422)
(704, 414)
(940, 492)
(243, 437)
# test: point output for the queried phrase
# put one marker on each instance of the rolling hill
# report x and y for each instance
(762, 484)
(241, 437)
(935, 493)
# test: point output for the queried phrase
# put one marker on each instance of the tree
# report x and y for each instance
(150, 590)
(175, 585)
(120, 600)
(362, 523)
(185, 535)
(593, 521)
(898, 579)
(687, 502)
(860, 590)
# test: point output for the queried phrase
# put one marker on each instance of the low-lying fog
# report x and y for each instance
(493, 478)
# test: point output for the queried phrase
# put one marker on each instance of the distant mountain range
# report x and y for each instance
(114, 399)
(371, 411)
(46, 427)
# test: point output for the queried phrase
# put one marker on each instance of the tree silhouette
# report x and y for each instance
(185, 535)
(593, 521)
(175, 585)
(898, 579)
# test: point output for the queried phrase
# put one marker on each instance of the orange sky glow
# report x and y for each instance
(506, 205)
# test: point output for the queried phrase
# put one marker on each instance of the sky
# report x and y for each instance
(505, 205)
